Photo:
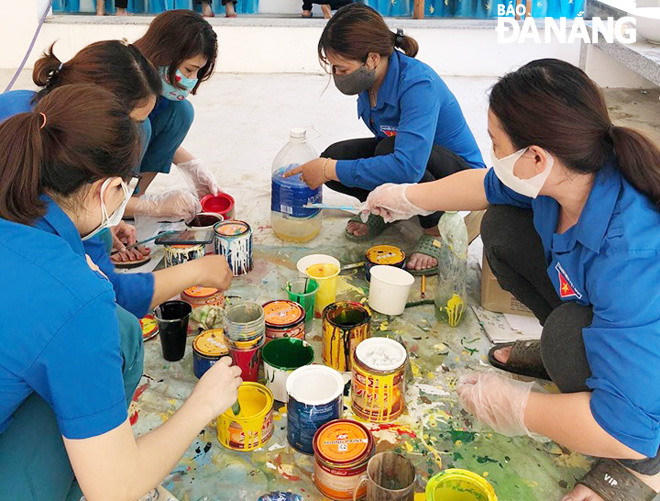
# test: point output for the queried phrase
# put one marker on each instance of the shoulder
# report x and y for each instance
(413, 71)
(14, 102)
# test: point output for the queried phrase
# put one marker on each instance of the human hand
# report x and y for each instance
(213, 271)
(391, 203)
(171, 206)
(122, 235)
(200, 176)
(217, 390)
(311, 173)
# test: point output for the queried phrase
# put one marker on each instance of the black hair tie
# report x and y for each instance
(398, 38)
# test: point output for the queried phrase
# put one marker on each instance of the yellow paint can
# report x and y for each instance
(456, 484)
(253, 426)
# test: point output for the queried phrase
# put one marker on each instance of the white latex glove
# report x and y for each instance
(390, 202)
(200, 177)
(171, 206)
(497, 401)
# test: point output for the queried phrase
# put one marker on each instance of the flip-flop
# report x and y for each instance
(611, 481)
(375, 226)
(426, 245)
(524, 360)
(126, 265)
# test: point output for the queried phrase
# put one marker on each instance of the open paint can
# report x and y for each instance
(177, 254)
(284, 319)
(199, 297)
(378, 383)
(315, 397)
(202, 224)
(383, 255)
(388, 289)
(342, 449)
(312, 259)
(345, 325)
(253, 425)
(281, 357)
(222, 203)
(233, 239)
(208, 348)
(456, 484)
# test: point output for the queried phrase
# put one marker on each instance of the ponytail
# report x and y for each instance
(47, 69)
(407, 44)
(75, 135)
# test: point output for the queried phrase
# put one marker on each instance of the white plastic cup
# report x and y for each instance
(389, 289)
(312, 259)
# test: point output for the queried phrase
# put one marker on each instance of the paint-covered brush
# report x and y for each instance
(423, 295)
(236, 408)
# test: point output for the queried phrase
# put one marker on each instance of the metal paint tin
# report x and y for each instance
(345, 325)
(222, 203)
(315, 397)
(245, 325)
(233, 239)
(198, 297)
(342, 449)
(203, 223)
(284, 318)
(208, 348)
(455, 484)
(253, 426)
(281, 357)
(149, 327)
(177, 254)
(378, 383)
(383, 255)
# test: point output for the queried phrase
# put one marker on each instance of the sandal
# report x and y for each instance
(426, 245)
(611, 481)
(375, 226)
(524, 360)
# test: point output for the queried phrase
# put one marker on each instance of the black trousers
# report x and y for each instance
(515, 253)
(442, 162)
(121, 4)
(334, 4)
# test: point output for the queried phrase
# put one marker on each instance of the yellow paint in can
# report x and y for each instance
(253, 426)
(456, 484)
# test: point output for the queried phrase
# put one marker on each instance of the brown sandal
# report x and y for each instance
(611, 481)
(525, 359)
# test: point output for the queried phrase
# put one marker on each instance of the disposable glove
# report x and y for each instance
(171, 206)
(200, 177)
(391, 203)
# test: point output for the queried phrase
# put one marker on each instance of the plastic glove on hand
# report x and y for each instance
(391, 203)
(171, 206)
(200, 176)
(497, 401)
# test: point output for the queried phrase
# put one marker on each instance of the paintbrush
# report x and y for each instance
(142, 242)
(236, 408)
(423, 287)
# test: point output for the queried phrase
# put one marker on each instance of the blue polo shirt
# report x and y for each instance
(134, 291)
(415, 105)
(610, 260)
(60, 334)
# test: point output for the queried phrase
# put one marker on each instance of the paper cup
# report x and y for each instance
(389, 289)
(312, 259)
(326, 276)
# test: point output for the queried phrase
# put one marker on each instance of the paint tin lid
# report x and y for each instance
(231, 228)
(211, 343)
(200, 292)
(149, 327)
(184, 246)
(381, 354)
(343, 442)
(315, 385)
(385, 254)
(283, 313)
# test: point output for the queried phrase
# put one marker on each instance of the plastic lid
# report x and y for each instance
(385, 254)
(315, 384)
(298, 133)
(231, 228)
(343, 441)
(381, 353)
(149, 326)
(200, 292)
(283, 312)
(211, 342)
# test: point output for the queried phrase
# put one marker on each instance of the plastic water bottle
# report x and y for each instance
(451, 293)
(289, 219)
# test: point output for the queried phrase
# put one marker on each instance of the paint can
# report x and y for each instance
(248, 359)
(245, 324)
(198, 297)
(208, 348)
(149, 327)
(342, 449)
(315, 397)
(177, 254)
(222, 203)
(378, 383)
(233, 239)
(284, 318)
(383, 255)
(281, 357)
(202, 224)
(326, 276)
(253, 426)
(456, 484)
(345, 325)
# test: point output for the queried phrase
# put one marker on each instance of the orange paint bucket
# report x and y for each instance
(253, 426)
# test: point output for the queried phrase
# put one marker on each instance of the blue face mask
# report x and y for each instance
(170, 91)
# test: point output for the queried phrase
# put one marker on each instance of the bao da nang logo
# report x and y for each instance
(509, 29)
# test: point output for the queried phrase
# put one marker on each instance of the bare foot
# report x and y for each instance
(420, 261)
(100, 7)
(502, 355)
(582, 493)
(207, 10)
(134, 254)
(122, 12)
(229, 10)
(357, 229)
(306, 13)
(327, 11)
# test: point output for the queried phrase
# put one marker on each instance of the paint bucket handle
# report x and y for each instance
(363, 479)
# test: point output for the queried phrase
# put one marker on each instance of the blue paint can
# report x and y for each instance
(208, 348)
(316, 396)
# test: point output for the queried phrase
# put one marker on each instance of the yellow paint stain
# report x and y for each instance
(415, 369)
(430, 375)
(457, 359)
(458, 443)
(409, 447)
(384, 326)
(485, 474)
(277, 417)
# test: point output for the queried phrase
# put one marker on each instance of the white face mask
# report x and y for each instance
(113, 220)
(528, 187)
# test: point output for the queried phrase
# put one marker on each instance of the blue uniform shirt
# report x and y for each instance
(59, 334)
(134, 291)
(414, 104)
(610, 260)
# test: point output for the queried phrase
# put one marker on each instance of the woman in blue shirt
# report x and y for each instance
(420, 133)
(572, 232)
(64, 383)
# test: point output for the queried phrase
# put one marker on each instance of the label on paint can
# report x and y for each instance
(284, 319)
(177, 254)
(253, 426)
(303, 420)
(233, 239)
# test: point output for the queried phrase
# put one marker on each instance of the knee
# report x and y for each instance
(385, 147)
(183, 115)
(501, 224)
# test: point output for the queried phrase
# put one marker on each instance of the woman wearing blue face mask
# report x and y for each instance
(182, 45)
(70, 359)
(572, 232)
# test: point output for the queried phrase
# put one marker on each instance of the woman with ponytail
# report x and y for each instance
(420, 133)
(572, 231)
(70, 358)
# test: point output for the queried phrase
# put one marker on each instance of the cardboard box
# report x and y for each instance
(494, 298)
(473, 223)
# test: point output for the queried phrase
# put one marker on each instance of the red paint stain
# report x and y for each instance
(278, 462)
(401, 430)
(139, 391)
(133, 419)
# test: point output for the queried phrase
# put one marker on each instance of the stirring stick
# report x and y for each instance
(236, 408)
(327, 206)
(141, 242)
(423, 287)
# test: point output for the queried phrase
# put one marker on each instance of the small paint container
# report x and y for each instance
(345, 325)
(383, 255)
(326, 276)
(248, 359)
(222, 203)
(378, 384)
(456, 484)
(177, 254)
(315, 397)
(149, 327)
(233, 239)
(342, 449)
(208, 348)
(253, 426)
(281, 357)
(245, 325)
(202, 224)
(284, 319)
(198, 297)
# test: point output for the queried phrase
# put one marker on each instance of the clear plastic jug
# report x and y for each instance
(290, 220)
(451, 292)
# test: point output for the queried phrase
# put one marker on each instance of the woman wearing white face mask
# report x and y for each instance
(572, 232)
(70, 359)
